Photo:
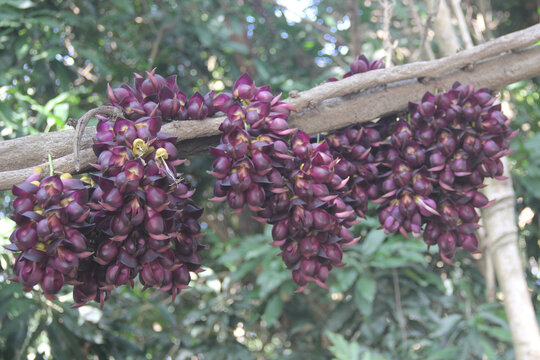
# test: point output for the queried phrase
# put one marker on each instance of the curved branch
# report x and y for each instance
(111, 111)
(330, 109)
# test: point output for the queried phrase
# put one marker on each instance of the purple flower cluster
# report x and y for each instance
(285, 179)
(51, 216)
(156, 96)
(464, 136)
(253, 139)
(361, 65)
(146, 223)
(315, 227)
(424, 169)
(135, 215)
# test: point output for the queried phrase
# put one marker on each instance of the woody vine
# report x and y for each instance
(133, 218)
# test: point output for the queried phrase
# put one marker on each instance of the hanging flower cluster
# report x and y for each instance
(134, 217)
(424, 169)
(284, 178)
(51, 216)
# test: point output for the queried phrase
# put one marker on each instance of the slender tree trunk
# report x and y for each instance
(444, 31)
(502, 240)
(501, 234)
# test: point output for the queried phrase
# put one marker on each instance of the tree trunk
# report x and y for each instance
(444, 32)
(502, 240)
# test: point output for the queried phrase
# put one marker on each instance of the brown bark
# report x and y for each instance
(18, 157)
(516, 40)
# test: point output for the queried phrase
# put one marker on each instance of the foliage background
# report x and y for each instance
(393, 300)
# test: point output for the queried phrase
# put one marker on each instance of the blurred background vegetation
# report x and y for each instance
(393, 300)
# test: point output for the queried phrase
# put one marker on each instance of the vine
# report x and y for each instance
(134, 216)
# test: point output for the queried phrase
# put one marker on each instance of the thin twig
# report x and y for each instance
(388, 8)
(354, 29)
(463, 28)
(157, 42)
(83, 121)
(418, 22)
(425, 29)
(399, 310)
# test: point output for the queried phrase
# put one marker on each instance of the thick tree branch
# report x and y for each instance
(339, 112)
(434, 68)
(321, 109)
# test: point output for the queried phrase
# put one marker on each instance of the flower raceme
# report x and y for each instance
(51, 215)
(424, 170)
(288, 181)
(134, 216)
(146, 223)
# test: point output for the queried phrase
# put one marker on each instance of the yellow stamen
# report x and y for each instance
(35, 182)
(87, 180)
(40, 246)
(38, 170)
(161, 153)
(140, 148)
(66, 176)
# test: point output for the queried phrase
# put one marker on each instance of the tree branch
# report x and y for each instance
(513, 41)
(18, 157)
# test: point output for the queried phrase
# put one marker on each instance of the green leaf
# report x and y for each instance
(61, 112)
(270, 280)
(19, 4)
(446, 325)
(342, 349)
(273, 310)
(344, 280)
(496, 332)
(366, 287)
(365, 306)
(51, 104)
(261, 69)
(373, 241)
(236, 47)
(446, 353)
(204, 36)
(489, 350)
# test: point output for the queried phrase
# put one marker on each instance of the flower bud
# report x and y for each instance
(291, 253)
(309, 246)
